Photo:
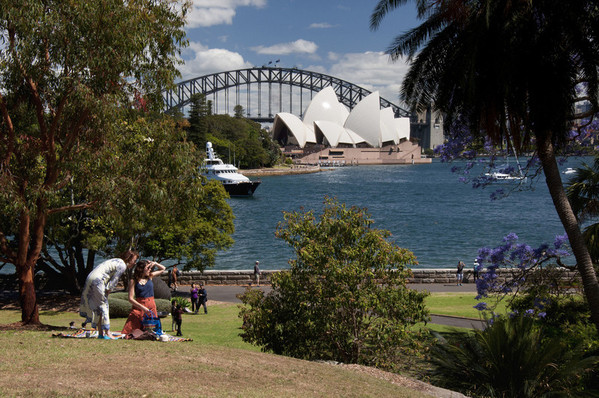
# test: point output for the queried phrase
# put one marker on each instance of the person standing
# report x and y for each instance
(99, 283)
(173, 315)
(257, 272)
(174, 277)
(476, 268)
(195, 303)
(141, 294)
(460, 272)
(178, 315)
(202, 298)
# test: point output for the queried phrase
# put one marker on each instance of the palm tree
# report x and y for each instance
(583, 193)
(509, 70)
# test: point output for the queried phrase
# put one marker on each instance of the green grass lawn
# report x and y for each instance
(457, 304)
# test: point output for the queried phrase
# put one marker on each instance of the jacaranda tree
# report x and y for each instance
(65, 69)
(507, 71)
(345, 296)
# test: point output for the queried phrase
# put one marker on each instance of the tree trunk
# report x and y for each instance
(568, 219)
(30, 244)
(27, 294)
(25, 268)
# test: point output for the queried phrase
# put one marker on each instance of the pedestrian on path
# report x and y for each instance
(257, 272)
(202, 299)
(460, 272)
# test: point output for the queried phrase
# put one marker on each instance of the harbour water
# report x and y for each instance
(424, 207)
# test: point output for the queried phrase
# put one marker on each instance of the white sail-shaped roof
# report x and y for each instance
(325, 106)
(388, 132)
(402, 126)
(291, 123)
(310, 134)
(336, 134)
(365, 119)
(327, 119)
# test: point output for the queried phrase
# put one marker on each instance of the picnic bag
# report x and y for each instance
(152, 323)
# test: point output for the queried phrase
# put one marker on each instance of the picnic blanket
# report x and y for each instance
(86, 334)
(90, 333)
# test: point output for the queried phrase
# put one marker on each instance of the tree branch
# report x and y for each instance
(10, 138)
(82, 206)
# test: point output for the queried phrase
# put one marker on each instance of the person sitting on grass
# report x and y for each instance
(141, 294)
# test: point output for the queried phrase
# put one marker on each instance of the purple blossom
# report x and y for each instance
(510, 238)
(482, 306)
(516, 256)
(560, 240)
(529, 312)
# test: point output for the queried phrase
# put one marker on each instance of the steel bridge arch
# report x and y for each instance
(348, 93)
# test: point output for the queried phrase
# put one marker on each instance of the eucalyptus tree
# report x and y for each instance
(65, 69)
(507, 70)
(162, 207)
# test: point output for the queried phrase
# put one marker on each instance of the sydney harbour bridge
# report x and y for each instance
(265, 91)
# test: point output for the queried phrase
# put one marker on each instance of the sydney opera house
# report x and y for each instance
(330, 134)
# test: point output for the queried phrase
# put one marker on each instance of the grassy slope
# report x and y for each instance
(216, 363)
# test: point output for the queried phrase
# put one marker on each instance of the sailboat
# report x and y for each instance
(506, 173)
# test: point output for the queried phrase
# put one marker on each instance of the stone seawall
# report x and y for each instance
(245, 277)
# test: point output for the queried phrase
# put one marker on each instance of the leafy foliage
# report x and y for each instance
(68, 69)
(511, 358)
(583, 194)
(243, 141)
(182, 301)
(513, 72)
(344, 297)
(240, 141)
(149, 194)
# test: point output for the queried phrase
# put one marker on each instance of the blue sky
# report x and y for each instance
(327, 36)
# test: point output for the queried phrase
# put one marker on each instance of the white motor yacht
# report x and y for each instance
(235, 183)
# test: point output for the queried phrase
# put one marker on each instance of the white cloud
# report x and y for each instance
(205, 13)
(371, 70)
(321, 25)
(299, 46)
(201, 60)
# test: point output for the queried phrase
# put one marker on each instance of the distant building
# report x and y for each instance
(427, 128)
(330, 134)
(327, 122)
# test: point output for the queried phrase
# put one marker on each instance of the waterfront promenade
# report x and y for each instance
(228, 294)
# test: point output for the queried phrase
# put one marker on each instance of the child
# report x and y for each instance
(179, 319)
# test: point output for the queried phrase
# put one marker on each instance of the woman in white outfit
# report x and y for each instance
(99, 283)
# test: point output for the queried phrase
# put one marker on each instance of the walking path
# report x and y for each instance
(228, 294)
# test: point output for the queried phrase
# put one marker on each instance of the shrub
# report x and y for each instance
(119, 295)
(344, 297)
(511, 358)
(182, 301)
(163, 305)
(161, 289)
(118, 308)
